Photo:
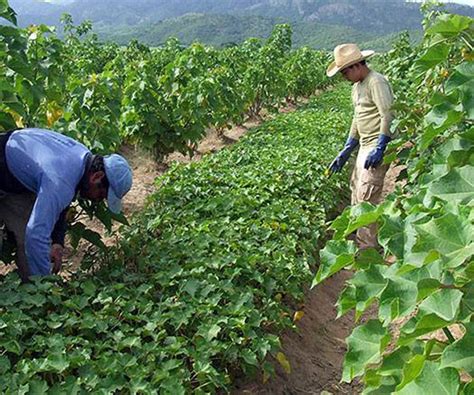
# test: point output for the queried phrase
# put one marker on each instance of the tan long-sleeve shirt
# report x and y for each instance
(372, 99)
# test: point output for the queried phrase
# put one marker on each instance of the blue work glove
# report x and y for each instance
(376, 155)
(338, 163)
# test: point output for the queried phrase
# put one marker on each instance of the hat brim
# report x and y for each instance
(114, 203)
(333, 69)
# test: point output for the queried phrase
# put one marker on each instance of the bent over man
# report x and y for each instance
(372, 99)
(41, 172)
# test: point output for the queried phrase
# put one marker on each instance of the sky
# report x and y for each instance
(467, 2)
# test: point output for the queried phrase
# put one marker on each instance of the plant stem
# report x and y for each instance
(449, 335)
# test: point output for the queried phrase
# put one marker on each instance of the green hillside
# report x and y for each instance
(214, 30)
(316, 23)
(221, 30)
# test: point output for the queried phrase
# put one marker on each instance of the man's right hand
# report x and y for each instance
(338, 163)
(56, 257)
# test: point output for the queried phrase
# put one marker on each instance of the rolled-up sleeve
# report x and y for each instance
(383, 100)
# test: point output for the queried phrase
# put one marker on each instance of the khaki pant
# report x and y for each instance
(367, 186)
(15, 210)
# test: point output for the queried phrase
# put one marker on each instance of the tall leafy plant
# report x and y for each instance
(418, 341)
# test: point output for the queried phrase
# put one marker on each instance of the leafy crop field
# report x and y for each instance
(162, 99)
(205, 278)
(197, 287)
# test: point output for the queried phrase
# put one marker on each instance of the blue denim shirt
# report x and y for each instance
(51, 165)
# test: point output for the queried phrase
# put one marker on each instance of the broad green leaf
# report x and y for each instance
(450, 235)
(441, 116)
(249, 357)
(12, 346)
(372, 381)
(385, 387)
(464, 274)
(191, 286)
(336, 255)
(38, 387)
(365, 346)
(89, 287)
(391, 234)
(460, 355)
(367, 257)
(394, 362)
(54, 362)
(355, 217)
(433, 55)
(340, 224)
(460, 158)
(397, 299)
(426, 287)
(7, 12)
(363, 214)
(7, 122)
(411, 370)
(463, 80)
(214, 330)
(94, 238)
(452, 148)
(444, 303)
(449, 25)
(468, 135)
(456, 186)
(368, 284)
(434, 381)
(410, 256)
(130, 342)
(346, 301)
(467, 302)
(5, 364)
(420, 325)
(468, 388)
(431, 132)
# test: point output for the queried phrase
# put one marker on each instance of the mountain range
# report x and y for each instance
(318, 23)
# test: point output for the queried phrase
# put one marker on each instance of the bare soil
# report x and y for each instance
(315, 351)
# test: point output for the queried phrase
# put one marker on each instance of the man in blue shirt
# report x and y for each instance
(41, 172)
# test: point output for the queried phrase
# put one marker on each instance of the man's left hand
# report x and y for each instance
(56, 257)
(374, 158)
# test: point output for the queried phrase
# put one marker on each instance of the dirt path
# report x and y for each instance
(315, 351)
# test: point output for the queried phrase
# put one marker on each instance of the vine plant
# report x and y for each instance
(420, 339)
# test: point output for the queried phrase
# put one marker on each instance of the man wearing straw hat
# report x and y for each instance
(372, 99)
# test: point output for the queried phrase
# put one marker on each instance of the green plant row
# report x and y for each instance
(162, 98)
(202, 281)
(420, 340)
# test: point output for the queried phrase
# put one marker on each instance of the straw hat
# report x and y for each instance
(346, 55)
